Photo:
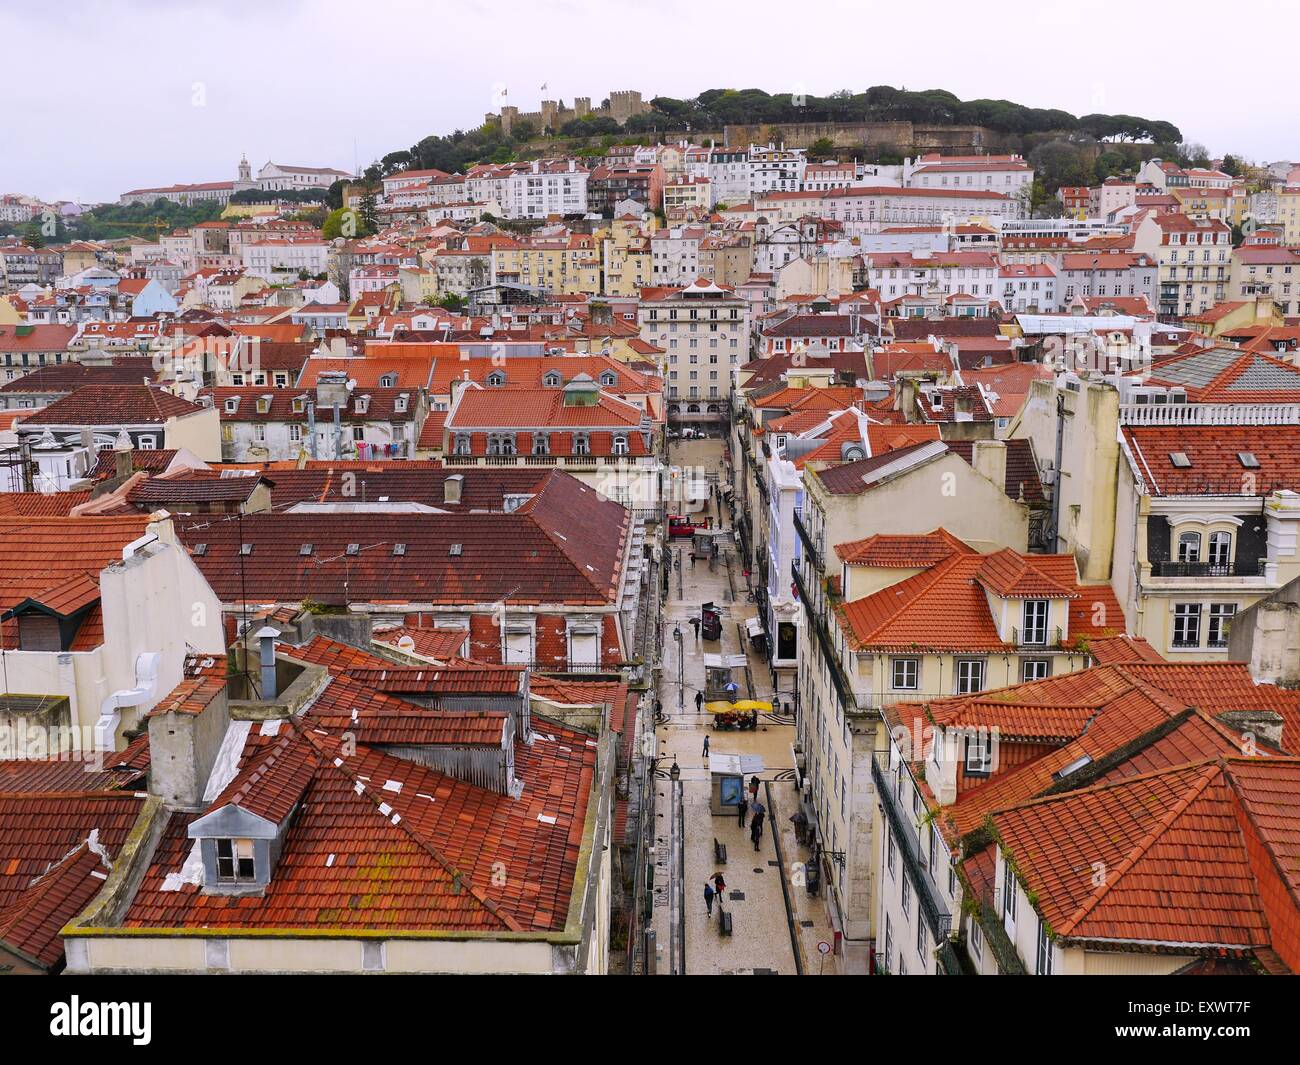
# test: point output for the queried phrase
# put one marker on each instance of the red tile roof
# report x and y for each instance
(1214, 451)
(565, 544)
(379, 842)
(113, 405)
(1178, 867)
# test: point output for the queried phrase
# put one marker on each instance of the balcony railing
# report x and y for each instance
(1209, 414)
(817, 620)
(902, 825)
(814, 553)
(1254, 568)
(1036, 639)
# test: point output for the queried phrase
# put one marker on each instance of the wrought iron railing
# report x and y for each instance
(904, 830)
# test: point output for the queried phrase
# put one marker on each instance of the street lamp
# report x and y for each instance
(681, 668)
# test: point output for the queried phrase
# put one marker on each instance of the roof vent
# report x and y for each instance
(245, 549)
(1248, 459)
(200, 550)
(353, 549)
(456, 550)
(305, 549)
(399, 549)
(1180, 459)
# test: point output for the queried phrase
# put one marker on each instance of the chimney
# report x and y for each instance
(989, 457)
(266, 657)
(452, 487)
(121, 464)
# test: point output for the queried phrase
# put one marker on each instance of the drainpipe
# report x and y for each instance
(1056, 488)
(265, 637)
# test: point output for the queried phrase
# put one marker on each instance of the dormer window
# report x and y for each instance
(231, 406)
(609, 379)
(541, 444)
(1034, 631)
(496, 379)
(299, 404)
(263, 404)
(581, 444)
(235, 864)
(399, 404)
(461, 445)
(551, 379)
(620, 443)
(501, 444)
(388, 380)
(363, 404)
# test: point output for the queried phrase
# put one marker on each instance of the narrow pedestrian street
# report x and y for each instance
(776, 925)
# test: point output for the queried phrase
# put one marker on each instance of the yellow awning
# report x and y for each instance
(753, 704)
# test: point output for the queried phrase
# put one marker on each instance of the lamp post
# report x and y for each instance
(681, 668)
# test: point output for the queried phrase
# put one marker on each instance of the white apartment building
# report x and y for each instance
(547, 187)
(924, 273)
(868, 210)
(703, 330)
(675, 255)
(267, 257)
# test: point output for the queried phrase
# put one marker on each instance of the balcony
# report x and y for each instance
(903, 827)
(814, 552)
(817, 621)
(1036, 639)
(1209, 414)
(1253, 568)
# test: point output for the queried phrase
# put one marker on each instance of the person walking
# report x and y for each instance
(719, 886)
(742, 808)
(699, 705)
(708, 897)
(706, 745)
(695, 624)
(756, 829)
(753, 790)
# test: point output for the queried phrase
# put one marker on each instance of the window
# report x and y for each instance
(148, 443)
(970, 676)
(541, 444)
(979, 754)
(906, 672)
(461, 445)
(1189, 547)
(1220, 553)
(922, 942)
(889, 940)
(975, 939)
(1035, 621)
(891, 849)
(235, 860)
(1043, 965)
(1187, 625)
(1008, 892)
(295, 433)
(1221, 615)
(907, 896)
(620, 444)
(1035, 669)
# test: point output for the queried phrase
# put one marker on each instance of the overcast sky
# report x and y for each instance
(115, 96)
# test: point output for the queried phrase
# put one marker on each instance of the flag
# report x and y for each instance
(543, 88)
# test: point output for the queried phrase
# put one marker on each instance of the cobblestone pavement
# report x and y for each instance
(763, 887)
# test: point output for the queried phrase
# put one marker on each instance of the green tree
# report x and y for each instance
(346, 222)
(821, 148)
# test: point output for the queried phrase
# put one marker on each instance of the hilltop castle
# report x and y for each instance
(621, 106)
